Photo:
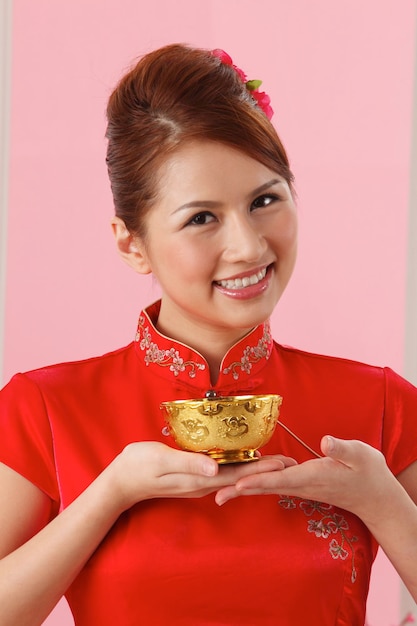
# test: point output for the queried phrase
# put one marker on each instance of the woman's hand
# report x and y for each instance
(148, 470)
(352, 475)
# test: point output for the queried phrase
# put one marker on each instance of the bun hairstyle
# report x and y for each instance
(174, 95)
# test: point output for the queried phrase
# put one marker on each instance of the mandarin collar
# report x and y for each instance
(177, 362)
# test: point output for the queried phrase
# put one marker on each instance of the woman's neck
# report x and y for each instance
(212, 343)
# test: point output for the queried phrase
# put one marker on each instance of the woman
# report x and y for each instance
(204, 200)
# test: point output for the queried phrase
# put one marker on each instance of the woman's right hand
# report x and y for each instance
(150, 469)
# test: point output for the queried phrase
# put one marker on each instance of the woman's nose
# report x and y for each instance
(244, 242)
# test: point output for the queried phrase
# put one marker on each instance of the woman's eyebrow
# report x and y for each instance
(205, 204)
(212, 204)
(270, 183)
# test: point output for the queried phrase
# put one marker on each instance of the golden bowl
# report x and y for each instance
(229, 429)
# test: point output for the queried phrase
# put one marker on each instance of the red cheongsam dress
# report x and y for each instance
(272, 560)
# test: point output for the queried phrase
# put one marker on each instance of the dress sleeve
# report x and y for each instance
(399, 431)
(26, 441)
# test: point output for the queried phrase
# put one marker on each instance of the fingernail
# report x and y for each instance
(330, 443)
(209, 469)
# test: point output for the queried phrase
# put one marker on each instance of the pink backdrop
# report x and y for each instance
(340, 76)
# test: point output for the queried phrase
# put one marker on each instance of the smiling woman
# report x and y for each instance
(227, 257)
(97, 503)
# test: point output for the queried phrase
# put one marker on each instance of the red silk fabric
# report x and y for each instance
(271, 560)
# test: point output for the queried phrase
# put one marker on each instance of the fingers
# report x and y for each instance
(181, 462)
(352, 453)
(287, 461)
(247, 486)
(297, 480)
(346, 476)
(266, 466)
(226, 494)
(179, 472)
(271, 482)
(339, 449)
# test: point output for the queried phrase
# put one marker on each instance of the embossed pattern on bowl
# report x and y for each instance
(229, 429)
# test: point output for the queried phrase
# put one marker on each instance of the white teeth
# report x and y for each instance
(238, 283)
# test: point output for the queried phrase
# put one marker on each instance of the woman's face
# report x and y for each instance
(221, 240)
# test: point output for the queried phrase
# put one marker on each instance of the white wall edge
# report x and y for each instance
(5, 89)
(410, 366)
(410, 352)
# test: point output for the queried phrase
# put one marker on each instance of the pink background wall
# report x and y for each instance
(340, 77)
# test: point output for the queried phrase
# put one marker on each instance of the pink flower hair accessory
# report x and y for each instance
(261, 98)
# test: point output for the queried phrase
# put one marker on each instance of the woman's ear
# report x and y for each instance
(130, 248)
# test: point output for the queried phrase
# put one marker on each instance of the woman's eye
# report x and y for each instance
(201, 218)
(263, 201)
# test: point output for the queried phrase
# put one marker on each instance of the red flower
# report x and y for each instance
(227, 60)
(264, 102)
(262, 99)
(223, 56)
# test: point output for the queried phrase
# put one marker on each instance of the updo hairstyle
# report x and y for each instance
(175, 95)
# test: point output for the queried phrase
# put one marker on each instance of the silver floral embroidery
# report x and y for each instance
(252, 354)
(326, 522)
(165, 358)
(171, 358)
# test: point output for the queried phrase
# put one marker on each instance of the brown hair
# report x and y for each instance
(173, 95)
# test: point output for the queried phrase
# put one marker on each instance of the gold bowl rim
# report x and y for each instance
(221, 399)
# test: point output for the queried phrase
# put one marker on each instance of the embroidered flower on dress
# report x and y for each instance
(287, 503)
(252, 354)
(326, 523)
(165, 358)
(337, 551)
(146, 339)
(319, 528)
(172, 359)
(310, 506)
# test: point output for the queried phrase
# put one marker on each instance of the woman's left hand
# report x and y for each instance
(351, 475)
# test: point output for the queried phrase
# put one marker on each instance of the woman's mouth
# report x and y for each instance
(245, 287)
(238, 283)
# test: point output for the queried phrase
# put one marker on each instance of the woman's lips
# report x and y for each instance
(245, 287)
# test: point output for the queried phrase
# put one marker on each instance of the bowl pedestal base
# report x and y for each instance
(232, 456)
